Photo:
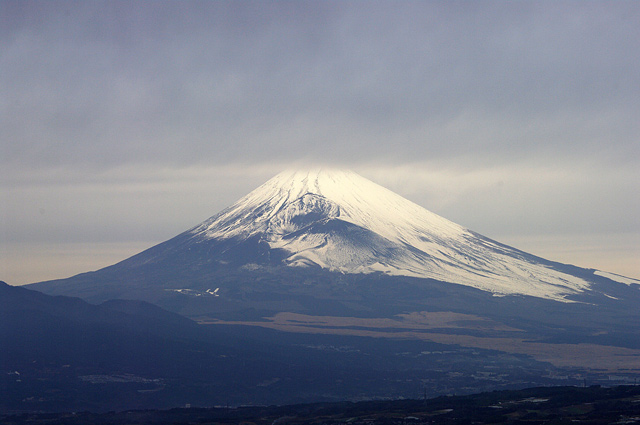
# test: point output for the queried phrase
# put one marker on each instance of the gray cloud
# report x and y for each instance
(463, 107)
(113, 82)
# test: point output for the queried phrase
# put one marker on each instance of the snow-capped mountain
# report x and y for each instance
(340, 221)
(323, 220)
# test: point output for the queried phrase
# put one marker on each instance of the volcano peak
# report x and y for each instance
(337, 220)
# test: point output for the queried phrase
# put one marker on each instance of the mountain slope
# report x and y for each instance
(61, 353)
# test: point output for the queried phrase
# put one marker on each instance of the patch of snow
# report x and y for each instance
(194, 293)
(617, 278)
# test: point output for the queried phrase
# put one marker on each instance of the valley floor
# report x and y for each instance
(463, 330)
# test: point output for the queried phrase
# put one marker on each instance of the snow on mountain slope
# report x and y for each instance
(343, 222)
(616, 277)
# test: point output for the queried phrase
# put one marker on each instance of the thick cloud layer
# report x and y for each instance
(128, 122)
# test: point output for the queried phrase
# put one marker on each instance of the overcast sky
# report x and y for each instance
(123, 124)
